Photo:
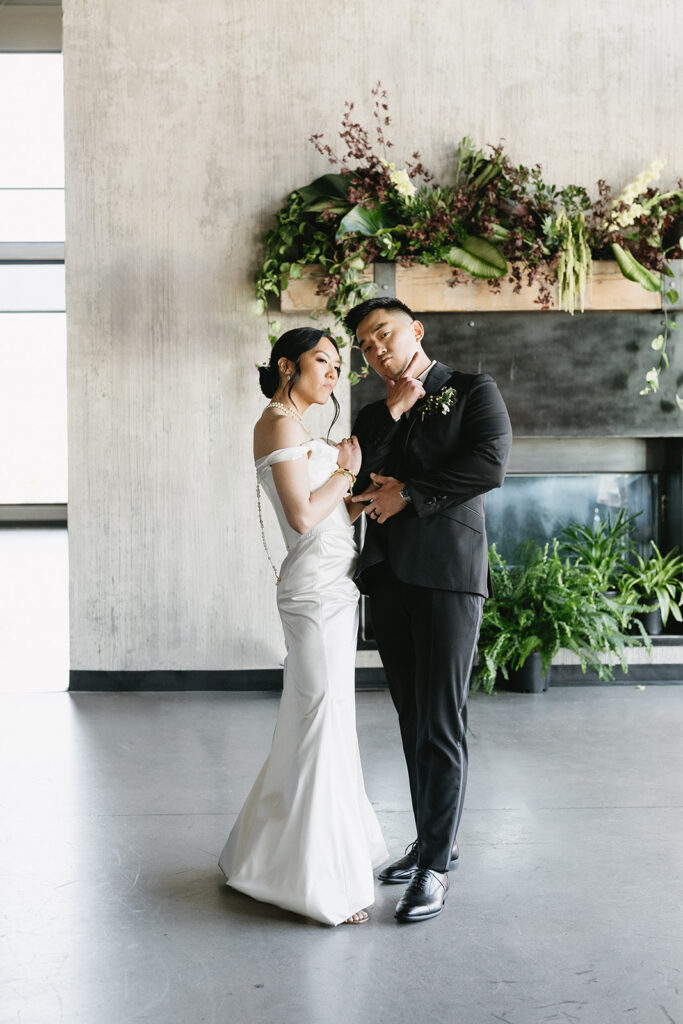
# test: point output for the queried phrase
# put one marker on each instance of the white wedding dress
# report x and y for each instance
(307, 838)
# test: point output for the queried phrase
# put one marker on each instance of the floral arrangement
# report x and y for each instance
(494, 220)
(443, 401)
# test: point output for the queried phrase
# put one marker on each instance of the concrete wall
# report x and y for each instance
(187, 124)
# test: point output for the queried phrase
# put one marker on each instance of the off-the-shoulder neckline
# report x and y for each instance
(291, 447)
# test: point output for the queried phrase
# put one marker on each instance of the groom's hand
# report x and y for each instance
(383, 499)
(403, 393)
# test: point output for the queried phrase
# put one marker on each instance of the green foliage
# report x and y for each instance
(494, 219)
(545, 604)
(635, 271)
(472, 167)
(299, 238)
(478, 257)
(367, 222)
(658, 344)
(331, 191)
(603, 550)
(657, 580)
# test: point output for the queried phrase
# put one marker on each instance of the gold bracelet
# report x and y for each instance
(347, 473)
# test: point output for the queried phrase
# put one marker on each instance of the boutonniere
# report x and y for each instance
(443, 401)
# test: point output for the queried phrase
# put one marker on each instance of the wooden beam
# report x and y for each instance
(300, 296)
(428, 290)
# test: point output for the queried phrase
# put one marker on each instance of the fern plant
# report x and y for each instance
(546, 604)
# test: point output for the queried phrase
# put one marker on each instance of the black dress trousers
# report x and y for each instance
(427, 640)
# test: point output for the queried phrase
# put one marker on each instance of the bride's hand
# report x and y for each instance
(349, 455)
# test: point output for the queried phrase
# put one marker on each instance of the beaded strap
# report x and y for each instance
(263, 530)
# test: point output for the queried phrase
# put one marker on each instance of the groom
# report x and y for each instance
(439, 441)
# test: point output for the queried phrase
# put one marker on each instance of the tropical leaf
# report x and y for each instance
(367, 222)
(498, 233)
(478, 257)
(328, 188)
(635, 271)
(486, 251)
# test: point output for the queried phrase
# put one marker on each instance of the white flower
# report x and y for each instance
(400, 180)
(657, 343)
(443, 401)
(679, 402)
(652, 377)
(403, 184)
(631, 210)
(628, 217)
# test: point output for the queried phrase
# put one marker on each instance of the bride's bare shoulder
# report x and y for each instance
(276, 430)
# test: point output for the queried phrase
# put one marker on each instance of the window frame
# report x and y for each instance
(31, 26)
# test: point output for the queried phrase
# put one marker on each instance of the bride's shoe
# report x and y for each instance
(361, 917)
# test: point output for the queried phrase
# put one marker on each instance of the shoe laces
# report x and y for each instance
(411, 847)
(423, 880)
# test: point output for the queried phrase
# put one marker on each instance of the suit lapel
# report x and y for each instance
(436, 378)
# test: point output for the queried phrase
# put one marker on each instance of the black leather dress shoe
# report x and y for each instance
(403, 869)
(424, 897)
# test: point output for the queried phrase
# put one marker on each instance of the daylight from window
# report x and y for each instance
(33, 443)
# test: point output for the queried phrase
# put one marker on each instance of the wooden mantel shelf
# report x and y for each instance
(428, 290)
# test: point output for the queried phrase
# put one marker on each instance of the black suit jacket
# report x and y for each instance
(448, 462)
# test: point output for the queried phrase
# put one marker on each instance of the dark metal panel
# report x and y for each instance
(385, 279)
(561, 376)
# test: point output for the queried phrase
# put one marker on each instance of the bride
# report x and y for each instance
(307, 838)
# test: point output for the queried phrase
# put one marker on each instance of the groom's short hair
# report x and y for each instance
(356, 315)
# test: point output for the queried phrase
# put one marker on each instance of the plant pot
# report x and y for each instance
(652, 621)
(530, 678)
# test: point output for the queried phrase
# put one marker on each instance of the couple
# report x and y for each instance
(417, 465)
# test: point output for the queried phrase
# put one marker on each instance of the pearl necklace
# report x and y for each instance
(285, 409)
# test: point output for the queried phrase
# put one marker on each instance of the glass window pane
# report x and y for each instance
(32, 215)
(538, 507)
(34, 614)
(32, 287)
(33, 408)
(31, 120)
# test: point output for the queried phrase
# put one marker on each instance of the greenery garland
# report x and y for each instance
(495, 220)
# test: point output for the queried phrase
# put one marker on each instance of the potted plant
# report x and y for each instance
(541, 605)
(657, 583)
(602, 549)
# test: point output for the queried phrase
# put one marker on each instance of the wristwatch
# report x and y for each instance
(405, 495)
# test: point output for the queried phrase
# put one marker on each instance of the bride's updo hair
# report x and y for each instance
(269, 378)
(291, 345)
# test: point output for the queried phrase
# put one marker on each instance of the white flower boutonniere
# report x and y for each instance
(443, 401)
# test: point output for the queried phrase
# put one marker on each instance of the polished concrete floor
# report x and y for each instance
(567, 907)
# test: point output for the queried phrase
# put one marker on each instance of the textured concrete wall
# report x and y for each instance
(186, 126)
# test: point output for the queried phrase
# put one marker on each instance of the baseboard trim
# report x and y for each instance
(650, 675)
(231, 679)
(366, 679)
